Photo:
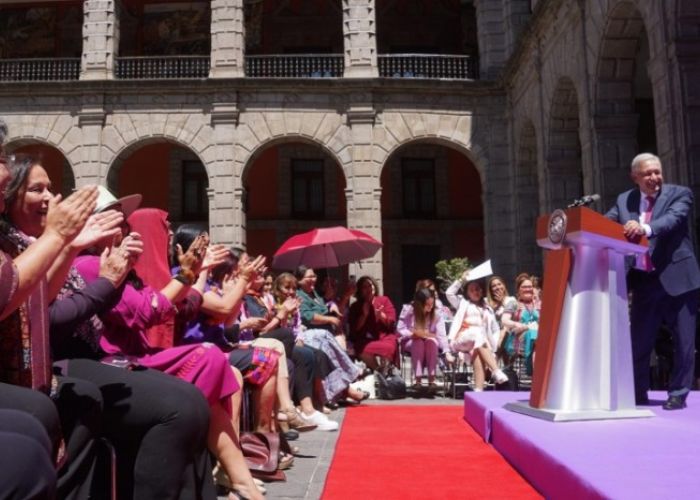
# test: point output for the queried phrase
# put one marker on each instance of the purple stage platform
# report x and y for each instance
(656, 457)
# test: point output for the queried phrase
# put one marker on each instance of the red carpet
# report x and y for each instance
(425, 452)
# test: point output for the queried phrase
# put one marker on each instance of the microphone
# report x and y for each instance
(584, 201)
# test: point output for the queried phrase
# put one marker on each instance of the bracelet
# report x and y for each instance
(185, 277)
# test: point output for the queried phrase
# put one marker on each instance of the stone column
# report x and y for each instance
(226, 193)
(360, 39)
(100, 39)
(227, 39)
(89, 167)
(492, 37)
(516, 15)
(364, 185)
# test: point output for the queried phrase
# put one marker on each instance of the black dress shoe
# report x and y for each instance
(291, 435)
(675, 403)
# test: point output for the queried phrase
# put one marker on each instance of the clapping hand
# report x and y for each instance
(98, 226)
(291, 304)
(117, 261)
(67, 218)
(250, 269)
(214, 256)
(194, 257)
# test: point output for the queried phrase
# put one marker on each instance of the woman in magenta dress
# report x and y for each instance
(372, 320)
(143, 306)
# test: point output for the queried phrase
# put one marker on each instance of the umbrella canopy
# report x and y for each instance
(325, 247)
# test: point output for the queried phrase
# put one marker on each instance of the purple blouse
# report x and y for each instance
(137, 311)
(407, 322)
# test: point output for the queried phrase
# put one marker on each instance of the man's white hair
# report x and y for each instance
(641, 158)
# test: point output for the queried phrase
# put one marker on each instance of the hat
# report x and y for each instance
(106, 201)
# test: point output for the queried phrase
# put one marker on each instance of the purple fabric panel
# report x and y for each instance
(478, 411)
(629, 458)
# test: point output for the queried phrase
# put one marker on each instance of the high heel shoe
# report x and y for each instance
(294, 421)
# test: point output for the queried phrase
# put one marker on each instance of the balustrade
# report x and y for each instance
(295, 66)
(165, 67)
(434, 66)
(39, 70)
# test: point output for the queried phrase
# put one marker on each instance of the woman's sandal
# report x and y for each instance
(222, 479)
(294, 421)
(286, 460)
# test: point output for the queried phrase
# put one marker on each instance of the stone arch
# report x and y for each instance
(250, 158)
(258, 131)
(432, 208)
(54, 161)
(471, 150)
(527, 198)
(623, 103)
(564, 167)
(173, 161)
(137, 143)
(57, 132)
(290, 185)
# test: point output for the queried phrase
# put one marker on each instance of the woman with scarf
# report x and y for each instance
(521, 318)
(315, 364)
(263, 363)
(309, 330)
(474, 329)
(29, 422)
(143, 305)
(498, 298)
(87, 405)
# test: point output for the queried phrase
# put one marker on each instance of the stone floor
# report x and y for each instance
(306, 478)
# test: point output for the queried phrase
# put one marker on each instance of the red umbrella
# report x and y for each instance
(325, 247)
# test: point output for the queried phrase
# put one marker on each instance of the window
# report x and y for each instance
(195, 202)
(307, 188)
(418, 177)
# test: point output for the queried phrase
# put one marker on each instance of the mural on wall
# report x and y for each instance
(176, 28)
(41, 32)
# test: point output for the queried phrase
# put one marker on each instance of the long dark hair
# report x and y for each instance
(226, 267)
(184, 236)
(362, 281)
(19, 167)
(419, 300)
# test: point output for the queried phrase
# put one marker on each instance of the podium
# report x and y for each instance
(583, 358)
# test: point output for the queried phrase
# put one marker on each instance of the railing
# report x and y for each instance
(162, 67)
(428, 66)
(295, 66)
(39, 70)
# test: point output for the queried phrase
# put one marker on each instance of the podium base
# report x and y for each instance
(574, 415)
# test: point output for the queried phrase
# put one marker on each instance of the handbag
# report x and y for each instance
(261, 451)
(390, 386)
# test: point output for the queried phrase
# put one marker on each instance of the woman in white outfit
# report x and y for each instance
(474, 330)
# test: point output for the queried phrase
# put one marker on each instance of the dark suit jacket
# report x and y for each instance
(670, 245)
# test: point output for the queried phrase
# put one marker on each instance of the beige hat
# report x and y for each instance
(106, 201)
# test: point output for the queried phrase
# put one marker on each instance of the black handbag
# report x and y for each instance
(390, 386)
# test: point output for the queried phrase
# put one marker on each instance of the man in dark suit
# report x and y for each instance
(665, 283)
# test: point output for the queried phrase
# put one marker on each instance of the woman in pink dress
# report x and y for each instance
(142, 307)
(372, 320)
